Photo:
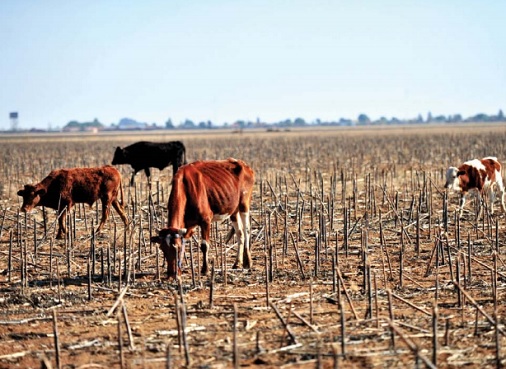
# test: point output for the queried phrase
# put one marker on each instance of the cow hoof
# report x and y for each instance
(245, 265)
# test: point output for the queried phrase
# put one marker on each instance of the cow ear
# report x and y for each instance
(21, 193)
(156, 239)
(40, 192)
(460, 173)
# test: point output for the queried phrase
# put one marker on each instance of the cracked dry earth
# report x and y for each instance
(358, 262)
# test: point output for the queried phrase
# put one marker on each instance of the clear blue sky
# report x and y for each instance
(228, 60)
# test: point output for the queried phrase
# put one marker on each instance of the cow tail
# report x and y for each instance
(121, 192)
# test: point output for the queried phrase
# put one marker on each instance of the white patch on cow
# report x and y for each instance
(220, 217)
(452, 181)
(488, 182)
(476, 164)
(479, 165)
(491, 157)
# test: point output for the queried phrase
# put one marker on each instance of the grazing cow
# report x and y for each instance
(63, 188)
(203, 192)
(145, 155)
(479, 175)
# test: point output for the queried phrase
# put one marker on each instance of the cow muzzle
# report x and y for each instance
(27, 209)
(173, 249)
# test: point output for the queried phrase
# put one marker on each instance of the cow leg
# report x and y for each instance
(132, 182)
(462, 203)
(247, 263)
(242, 228)
(204, 246)
(148, 175)
(501, 194)
(120, 211)
(500, 187)
(491, 199)
(62, 229)
(238, 228)
(480, 207)
(106, 204)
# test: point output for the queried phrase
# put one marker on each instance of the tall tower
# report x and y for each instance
(14, 120)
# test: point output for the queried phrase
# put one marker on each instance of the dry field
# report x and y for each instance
(359, 260)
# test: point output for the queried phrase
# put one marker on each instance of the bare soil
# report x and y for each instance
(357, 259)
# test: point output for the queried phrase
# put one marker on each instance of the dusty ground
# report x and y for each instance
(387, 181)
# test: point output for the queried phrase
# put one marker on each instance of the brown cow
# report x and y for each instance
(203, 192)
(63, 188)
(481, 175)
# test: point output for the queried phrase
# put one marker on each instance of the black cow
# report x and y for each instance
(145, 155)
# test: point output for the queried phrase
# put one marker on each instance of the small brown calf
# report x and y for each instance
(63, 188)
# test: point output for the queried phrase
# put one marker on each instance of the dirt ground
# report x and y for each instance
(359, 260)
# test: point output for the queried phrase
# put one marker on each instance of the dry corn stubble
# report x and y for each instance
(371, 193)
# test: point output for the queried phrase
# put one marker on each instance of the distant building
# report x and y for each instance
(71, 128)
(91, 129)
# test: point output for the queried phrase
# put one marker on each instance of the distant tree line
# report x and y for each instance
(362, 120)
(74, 125)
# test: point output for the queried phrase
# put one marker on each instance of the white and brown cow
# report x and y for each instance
(480, 175)
(63, 188)
(204, 192)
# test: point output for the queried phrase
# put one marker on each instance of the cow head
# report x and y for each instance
(119, 156)
(31, 197)
(452, 179)
(172, 244)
